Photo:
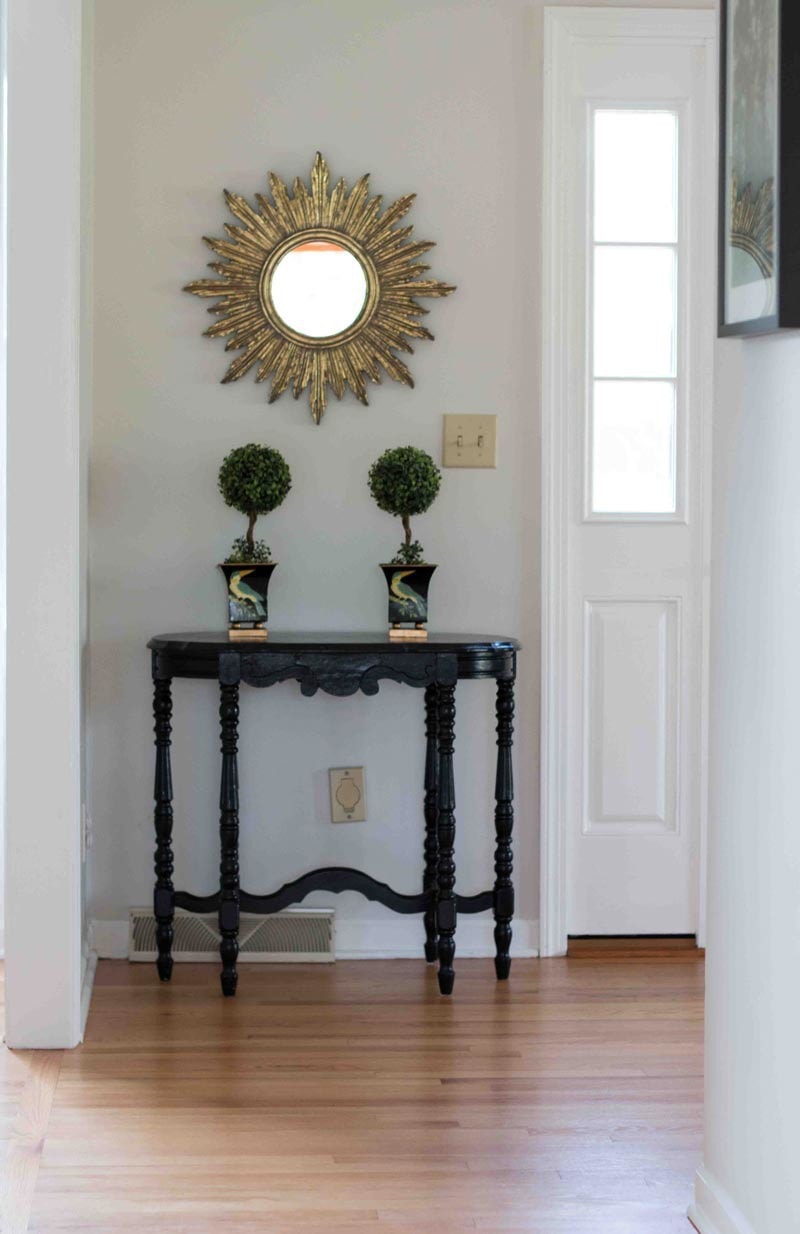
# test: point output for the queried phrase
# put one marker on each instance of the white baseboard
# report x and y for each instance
(109, 939)
(87, 984)
(380, 939)
(401, 938)
(713, 1210)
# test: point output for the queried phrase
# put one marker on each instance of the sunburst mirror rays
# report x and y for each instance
(318, 287)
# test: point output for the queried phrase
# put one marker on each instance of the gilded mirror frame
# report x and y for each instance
(389, 318)
(752, 225)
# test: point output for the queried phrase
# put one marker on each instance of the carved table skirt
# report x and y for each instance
(341, 664)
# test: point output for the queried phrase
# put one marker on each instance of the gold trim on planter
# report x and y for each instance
(388, 257)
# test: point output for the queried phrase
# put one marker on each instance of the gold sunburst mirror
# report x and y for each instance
(318, 288)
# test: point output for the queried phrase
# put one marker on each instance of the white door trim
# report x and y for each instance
(42, 69)
(563, 28)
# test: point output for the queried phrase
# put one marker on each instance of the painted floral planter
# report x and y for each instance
(248, 584)
(408, 593)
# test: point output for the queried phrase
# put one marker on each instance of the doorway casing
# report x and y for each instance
(43, 931)
(563, 29)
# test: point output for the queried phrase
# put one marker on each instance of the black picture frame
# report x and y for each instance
(778, 236)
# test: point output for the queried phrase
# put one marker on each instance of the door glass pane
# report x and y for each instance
(635, 176)
(634, 311)
(633, 447)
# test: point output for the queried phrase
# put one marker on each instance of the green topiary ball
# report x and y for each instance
(404, 481)
(254, 479)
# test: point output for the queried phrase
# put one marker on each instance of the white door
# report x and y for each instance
(640, 323)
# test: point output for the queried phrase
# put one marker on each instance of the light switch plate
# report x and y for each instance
(348, 797)
(470, 441)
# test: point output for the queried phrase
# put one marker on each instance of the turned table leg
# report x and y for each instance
(504, 822)
(431, 852)
(164, 893)
(229, 837)
(446, 867)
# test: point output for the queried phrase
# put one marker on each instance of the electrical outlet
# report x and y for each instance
(470, 441)
(348, 796)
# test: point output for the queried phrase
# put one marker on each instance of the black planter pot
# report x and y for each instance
(247, 583)
(408, 593)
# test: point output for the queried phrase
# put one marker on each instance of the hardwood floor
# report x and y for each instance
(352, 1098)
(27, 1084)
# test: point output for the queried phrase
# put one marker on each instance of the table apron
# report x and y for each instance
(338, 673)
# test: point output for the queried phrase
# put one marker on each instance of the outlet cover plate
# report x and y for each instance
(348, 795)
(469, 441)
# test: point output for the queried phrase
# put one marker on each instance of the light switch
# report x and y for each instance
(348, 799)
(470, 441)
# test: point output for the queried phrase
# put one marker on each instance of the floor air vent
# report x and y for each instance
(296, 936)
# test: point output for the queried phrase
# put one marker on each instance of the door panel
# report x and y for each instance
(631, 711)
(635, 536)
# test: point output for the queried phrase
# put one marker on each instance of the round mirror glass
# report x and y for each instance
(318, 288)
(752, 293)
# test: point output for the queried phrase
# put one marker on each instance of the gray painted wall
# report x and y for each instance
(441, 99)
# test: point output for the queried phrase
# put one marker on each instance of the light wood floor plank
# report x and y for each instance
(352, 1099)
(23, 1148)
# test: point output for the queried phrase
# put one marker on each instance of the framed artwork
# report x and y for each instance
(759, 207)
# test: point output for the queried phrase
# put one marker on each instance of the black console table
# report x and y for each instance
(340, 664)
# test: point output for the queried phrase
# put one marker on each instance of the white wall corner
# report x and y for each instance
(42, 845)
(713, 1210)
(379, 939)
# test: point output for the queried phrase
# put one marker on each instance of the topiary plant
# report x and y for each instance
(253, 480)
(405, 481)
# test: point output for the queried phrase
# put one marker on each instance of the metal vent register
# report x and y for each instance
(294, 936)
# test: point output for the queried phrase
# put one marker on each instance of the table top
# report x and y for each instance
(338, 640)
(338, 662)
